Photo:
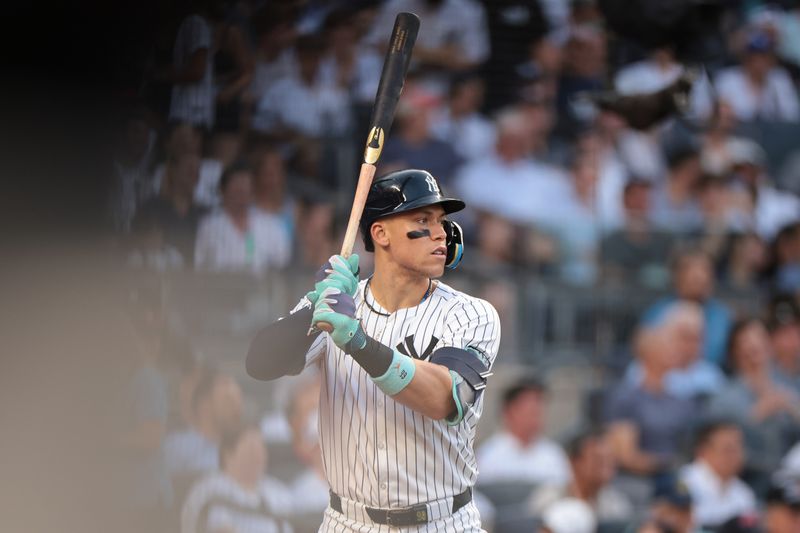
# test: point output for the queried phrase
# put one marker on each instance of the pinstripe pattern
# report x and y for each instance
(382, 454)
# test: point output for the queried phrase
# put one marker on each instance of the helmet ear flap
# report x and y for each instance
(455, 244)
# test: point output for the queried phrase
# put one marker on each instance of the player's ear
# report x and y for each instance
(379, 233)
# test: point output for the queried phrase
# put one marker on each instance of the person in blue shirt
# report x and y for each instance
(693, 280)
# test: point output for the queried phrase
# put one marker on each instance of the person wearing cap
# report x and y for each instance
(520, 452)
(404, 360)
(783, 324)
(593, 468)
(718, 494)
(670, 509)
(767, 208)
(759, 89)
(782, 508)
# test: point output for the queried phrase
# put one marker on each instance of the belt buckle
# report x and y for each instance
(400, 517)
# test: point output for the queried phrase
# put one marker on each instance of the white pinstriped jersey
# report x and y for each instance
(380, 453)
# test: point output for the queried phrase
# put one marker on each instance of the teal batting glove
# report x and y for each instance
(336, 272)
(337, 309)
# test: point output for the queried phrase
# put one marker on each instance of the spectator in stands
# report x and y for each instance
(767, 410)
(693, 280)
(133, 158)
(148, 401)
(674, 203)
(191, 72)
(511, 24)
(783, 270)
(520, 452)
(593, 467)
(758, 89)
(637, 252)
(270, 193)
(184, 139)
(783, 324)
(239, 238)
(584, 69)
(782, 512)
(671, 506)
(233, 73)
(239, 497)
(454, 36)
(646, 422)
(715, 155)
(718, 494)
(719, 212)
(460, 123)
(353, 68)
(316, 230)
(769, 209)
(275, 58)
(414, 145)
(309, 487)
(194, 450)
(682, 326)
(302, 106)
(576, 226)
(174, 210)
(537, 188)
(741, 263)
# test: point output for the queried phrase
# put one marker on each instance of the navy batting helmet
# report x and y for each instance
(404, 190)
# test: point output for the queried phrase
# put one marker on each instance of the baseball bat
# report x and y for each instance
(393, 74)
(395, 65)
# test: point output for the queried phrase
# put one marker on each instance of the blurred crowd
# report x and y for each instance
(237, 149)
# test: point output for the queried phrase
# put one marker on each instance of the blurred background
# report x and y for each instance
(646, 275)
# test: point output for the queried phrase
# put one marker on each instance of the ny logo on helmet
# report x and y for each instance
(432, 185)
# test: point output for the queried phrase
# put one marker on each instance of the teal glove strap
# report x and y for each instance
(399, 375)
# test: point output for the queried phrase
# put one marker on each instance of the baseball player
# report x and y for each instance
(403, 367)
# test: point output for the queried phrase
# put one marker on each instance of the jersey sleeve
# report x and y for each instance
(473, 325)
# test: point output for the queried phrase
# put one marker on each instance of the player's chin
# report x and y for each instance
(434, 268)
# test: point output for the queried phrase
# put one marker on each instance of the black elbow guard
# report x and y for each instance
(280, 348)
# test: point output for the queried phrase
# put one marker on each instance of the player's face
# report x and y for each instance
(417, 240)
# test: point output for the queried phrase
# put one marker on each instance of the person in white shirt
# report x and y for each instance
(519, 452)
(191, 73)
(239, 497)
(758, 89)
(460, 124)
(304, 104)
(538, 189)
(216, 406)
(453, 36)
(718, 494)
(238, 238)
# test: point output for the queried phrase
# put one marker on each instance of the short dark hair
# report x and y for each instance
(575, 442)
(677, 155)
(729, 365)
(706, 431)
(530, 383)
(240, 165)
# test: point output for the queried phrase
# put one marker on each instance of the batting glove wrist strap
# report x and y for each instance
(398, 376)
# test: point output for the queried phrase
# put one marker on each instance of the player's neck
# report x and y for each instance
(394, 290)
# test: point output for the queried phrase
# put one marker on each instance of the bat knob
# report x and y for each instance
(323, 326)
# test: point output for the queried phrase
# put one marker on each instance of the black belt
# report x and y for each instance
(407, 516)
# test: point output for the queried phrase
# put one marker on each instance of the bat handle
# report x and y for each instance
(365, 177)
(362, 191)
